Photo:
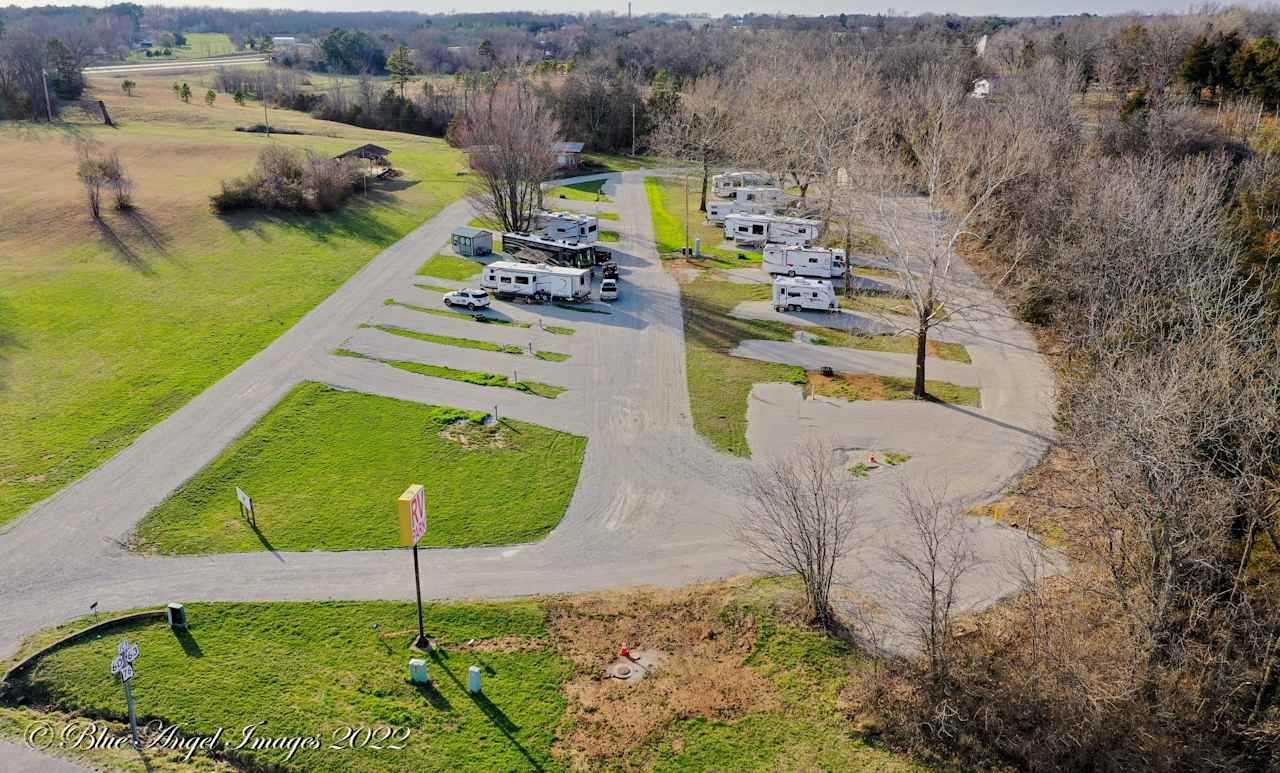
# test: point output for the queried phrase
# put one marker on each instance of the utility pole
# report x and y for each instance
(633, 118)
(48, 106)
(686, 211)
(265, 120)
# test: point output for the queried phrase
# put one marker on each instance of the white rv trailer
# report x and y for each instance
(804, 261)
(569, 226)
(757, 195)
(775, 229)
(717, 211)
(723, 185)
(794, 293)
(536, 280)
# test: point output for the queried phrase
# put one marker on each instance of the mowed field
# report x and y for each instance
(199, 44)
(107, 328)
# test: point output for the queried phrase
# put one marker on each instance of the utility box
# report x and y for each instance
(473, 679)
(418, 671)
(471, 242)
(177, 616)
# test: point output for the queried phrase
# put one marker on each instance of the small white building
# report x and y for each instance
(723, 185)
(800, 294)
(775, 229)
(569, 226)
(981, 89)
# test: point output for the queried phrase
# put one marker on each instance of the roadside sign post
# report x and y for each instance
(412, 510)
(126, 653)
(246, 507)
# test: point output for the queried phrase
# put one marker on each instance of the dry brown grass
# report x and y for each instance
(704, 674)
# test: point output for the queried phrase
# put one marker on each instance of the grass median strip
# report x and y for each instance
(445, 266)
(479, 378)
(666, 203)
(466, 343)
(436, 288)
(608, 236)
(324, 465)
(471, 317)
(869, 386)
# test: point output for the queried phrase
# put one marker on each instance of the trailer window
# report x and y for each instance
(506, 280)
(522, 280)
(757, 229)
(591, 228)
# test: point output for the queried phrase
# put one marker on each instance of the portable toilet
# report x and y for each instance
(471, 242)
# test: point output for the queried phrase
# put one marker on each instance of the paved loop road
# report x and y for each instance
(654, 505)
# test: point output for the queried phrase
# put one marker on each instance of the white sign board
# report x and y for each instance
(126, 653)
(418, 514)
(245, 500)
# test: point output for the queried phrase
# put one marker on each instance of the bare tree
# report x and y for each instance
(930, 117)
(801, 518)
(118, 179)
(936, 557)
(699, 130)
(93, 172)
(508, 134)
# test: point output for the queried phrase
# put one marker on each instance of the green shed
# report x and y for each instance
(471, 242)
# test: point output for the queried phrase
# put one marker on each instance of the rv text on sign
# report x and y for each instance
(412, 507)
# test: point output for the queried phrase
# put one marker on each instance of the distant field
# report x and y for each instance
(591, 190)
(105, 329)
(324, 468)
(199, 45)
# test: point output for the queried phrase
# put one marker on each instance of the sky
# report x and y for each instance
(713, 7)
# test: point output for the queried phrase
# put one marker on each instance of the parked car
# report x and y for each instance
(471, 298)
(609, 270)
(609, 290)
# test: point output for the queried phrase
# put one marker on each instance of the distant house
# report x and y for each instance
(568, 154)
(283, 41)
(981, 89)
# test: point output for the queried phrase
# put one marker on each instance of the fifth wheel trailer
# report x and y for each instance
(803, 261)
(774, 229)
(717, 211)
(723, 185)
(800, 294)
(531, 248)
(569, 226)
(534, 280)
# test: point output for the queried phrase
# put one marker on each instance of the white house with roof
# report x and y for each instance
(568, 154)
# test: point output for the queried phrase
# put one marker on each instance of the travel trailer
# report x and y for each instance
(569, 227)
(775, 229)
(759, 195)
(800, 294)
(507, 279)
(804, 261)
(717, 211)
(723, 185)
(531, 248)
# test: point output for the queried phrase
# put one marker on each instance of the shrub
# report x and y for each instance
(287, 179)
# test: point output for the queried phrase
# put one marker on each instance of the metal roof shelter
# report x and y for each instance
(369, 153)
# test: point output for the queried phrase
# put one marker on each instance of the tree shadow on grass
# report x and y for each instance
(123, 252)
(9, 341)
(354, 221)
(148, 230)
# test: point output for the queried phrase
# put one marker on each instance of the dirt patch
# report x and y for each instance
(706, 640)
(1046, 503)
(473, 436)
(850, 386)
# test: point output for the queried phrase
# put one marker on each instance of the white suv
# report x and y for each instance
(472, 299)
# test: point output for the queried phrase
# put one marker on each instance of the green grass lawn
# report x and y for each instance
(606, 215)
(719, 383)
(590, 190)
(466, 343)
(325, 466)
(106, 330)
(666, 203)
(311, 667)
(607, 235)
(199, 45)
(478, 378)
(614, 162)
(444, 266)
